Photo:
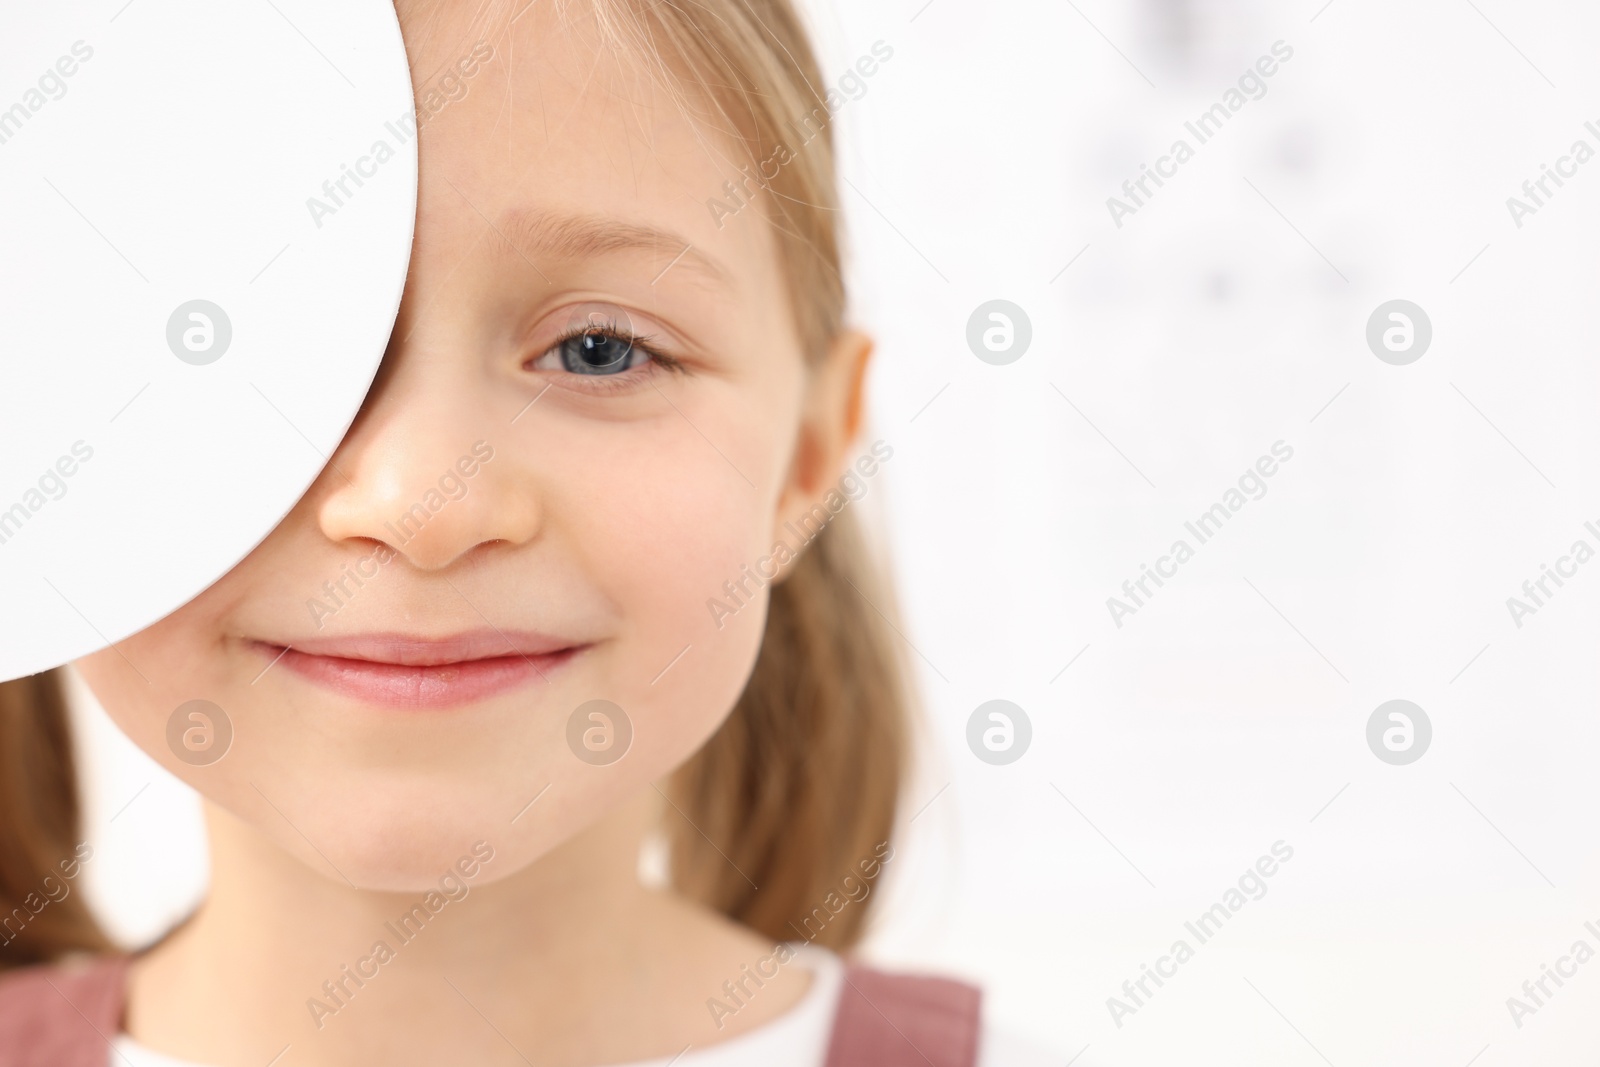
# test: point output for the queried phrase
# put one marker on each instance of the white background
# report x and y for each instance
(1174, 351)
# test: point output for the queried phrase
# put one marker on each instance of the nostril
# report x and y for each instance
(434, 510)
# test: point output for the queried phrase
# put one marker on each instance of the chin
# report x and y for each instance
(403, 836)
(389, 837)
(414, 859)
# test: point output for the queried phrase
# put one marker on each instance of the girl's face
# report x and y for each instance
(531, 511)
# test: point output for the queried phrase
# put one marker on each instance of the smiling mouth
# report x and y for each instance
(408, 671)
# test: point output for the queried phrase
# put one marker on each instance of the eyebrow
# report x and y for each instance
(576, 237)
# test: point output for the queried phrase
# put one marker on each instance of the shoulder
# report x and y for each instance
(61, 1014)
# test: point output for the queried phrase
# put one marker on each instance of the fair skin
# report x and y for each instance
(611, 509)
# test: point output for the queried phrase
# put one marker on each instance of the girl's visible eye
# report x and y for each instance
(606, 350)
(600, 351)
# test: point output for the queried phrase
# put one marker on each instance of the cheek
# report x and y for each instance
(663, 533)
(144, 681)
(662, 512)
(685, 507)
(144, 678)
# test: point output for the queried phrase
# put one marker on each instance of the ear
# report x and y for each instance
(830, 423)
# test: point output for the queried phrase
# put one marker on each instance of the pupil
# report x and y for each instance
(599, 351)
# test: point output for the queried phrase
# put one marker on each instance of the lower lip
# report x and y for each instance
(442, 685)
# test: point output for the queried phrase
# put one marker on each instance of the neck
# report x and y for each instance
(489, 969)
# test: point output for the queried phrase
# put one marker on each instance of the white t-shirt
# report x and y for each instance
(798, 1038)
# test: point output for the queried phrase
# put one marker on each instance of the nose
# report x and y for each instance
(422, 472)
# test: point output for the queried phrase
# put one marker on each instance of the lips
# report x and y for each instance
(411, 671)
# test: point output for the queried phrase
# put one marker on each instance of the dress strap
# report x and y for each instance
(899, 1020)
(62, 1015)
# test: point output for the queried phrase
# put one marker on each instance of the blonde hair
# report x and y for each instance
(798, 788)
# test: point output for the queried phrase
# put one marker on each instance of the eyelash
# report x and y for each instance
(612, 383)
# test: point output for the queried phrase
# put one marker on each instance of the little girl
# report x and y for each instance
(544, 609)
